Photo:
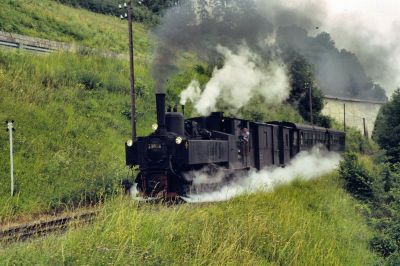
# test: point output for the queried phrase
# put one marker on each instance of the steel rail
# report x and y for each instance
(42, 228)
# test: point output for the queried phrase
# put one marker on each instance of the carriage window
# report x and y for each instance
(287, 140)
(295, 139)
(301, 138)
(266, 140)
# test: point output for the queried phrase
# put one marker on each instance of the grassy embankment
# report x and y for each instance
(50, 20)
(70, 110)
(305, 223)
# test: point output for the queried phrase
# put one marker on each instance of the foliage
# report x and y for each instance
(302, 82)
(142, 13)
(387, 128)
(306, 223)
(157, 6)
(358, 181)
(356, 142)
(380, 185)
(338, 72)
(257, 110)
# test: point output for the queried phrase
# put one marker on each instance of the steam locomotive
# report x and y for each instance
(180, 146)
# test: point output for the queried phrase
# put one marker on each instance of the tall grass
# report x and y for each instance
(71, 122)
(306, 223)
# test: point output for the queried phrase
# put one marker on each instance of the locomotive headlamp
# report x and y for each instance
(178, 140)
(154, 127)
(129, 143)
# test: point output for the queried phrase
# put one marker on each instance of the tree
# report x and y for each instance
(147, 11)
(338, 72)
(387, 128)
(302, 80)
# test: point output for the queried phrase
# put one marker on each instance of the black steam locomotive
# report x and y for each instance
(180, 146)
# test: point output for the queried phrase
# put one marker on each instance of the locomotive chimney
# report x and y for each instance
(160, 102)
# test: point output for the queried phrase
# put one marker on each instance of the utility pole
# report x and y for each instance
(128, 15)
(365, 128)
(308, 85)
(344, 117)
(10, 129)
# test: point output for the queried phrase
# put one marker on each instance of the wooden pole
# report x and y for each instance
(311, 107)
(365, 128)
(344, 117)
(132, 71)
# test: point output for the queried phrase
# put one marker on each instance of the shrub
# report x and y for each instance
(359, 181)
(383, 245)
(355, 142)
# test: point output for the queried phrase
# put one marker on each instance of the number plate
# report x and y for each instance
(154, 146)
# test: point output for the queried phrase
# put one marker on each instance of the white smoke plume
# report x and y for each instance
(243, 76)
(307, 165)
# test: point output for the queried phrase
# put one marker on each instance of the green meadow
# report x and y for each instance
(304, 223)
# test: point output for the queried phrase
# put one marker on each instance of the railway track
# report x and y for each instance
(42, 228)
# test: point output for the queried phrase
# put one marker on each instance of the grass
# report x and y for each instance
(51, 20)
(305, 223)
(70, 129)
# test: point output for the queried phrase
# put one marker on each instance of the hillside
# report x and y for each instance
(306, 223)
(51, 20)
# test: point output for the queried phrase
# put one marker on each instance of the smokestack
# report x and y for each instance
(160, 104)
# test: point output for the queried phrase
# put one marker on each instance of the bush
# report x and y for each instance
(355, 142)
(359, 181)
(383, 245)
(394, 260)
(377, 185)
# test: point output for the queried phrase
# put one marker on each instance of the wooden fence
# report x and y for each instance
(39, 45)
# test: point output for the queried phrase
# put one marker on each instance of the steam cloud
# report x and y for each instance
(243, 76)
(200, 26)
(307, 165)
(368, 28)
